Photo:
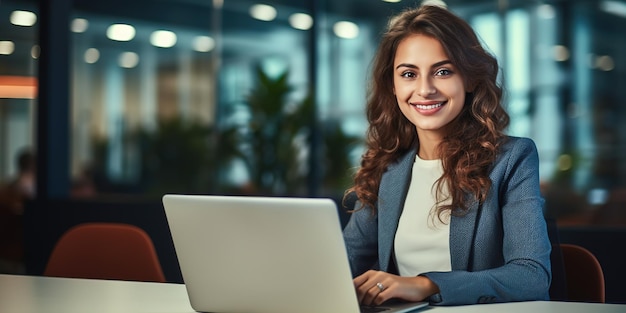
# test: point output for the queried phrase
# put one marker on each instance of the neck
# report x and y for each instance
(428, 144)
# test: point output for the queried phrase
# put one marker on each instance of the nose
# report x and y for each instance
(426, 87)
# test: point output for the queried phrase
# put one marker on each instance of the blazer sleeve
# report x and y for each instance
(512, 215)
(361, 240)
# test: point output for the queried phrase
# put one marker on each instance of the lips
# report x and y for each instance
(428, 106)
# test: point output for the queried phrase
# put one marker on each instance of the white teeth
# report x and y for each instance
(428, 107)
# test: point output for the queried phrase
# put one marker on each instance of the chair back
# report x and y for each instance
(583, 274)
(558, 288)
(105, 251)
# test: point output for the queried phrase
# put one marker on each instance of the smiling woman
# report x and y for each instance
(437, 208)
(429, 90)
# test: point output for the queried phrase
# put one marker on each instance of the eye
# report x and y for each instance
(443, 72)
(408, 74)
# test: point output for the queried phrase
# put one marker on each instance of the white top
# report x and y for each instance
(422, 241)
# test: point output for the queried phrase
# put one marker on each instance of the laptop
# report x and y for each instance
(263, 255)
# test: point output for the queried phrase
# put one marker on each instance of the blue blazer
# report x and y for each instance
(500, 250)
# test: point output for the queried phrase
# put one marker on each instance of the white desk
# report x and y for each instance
(31, 294)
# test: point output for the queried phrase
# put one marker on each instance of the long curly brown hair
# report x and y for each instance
(470, 147)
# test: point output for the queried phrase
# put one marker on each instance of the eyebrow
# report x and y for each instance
(440, 63)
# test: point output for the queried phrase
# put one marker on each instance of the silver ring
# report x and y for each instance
(380, 286)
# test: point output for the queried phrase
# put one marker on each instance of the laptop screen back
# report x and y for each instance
(261, 254)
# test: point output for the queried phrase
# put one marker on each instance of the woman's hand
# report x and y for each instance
(376, 287)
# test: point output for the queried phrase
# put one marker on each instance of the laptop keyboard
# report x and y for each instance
(373, 309)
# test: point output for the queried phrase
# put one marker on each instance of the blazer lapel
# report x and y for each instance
(394, 185)
(462, 234)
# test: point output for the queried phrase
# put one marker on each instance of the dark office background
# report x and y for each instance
(240, 97)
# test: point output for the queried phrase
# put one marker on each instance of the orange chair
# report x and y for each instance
(583, 274)
(105, 251)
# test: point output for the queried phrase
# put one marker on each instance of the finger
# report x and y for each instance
(364, 292)
(359, 280)
(374, 293)
(383, 294)
(362, 285)
(381, 298)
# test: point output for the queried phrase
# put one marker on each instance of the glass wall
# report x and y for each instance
(19, 51)
(240, 97)
(18, 85)
(144, 98)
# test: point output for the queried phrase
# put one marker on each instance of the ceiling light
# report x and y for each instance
(614, 7)
(7, 47)
(347, 30)
(546, 11)
(35, 51)
(263, 12)
(301, 21)
(23, 18)
(203, 44)
(92, 55)
(440, 3)
(564, 162)
(79, 25)
(392, 1)
(128, 59)
(561, 53)
(605, 63)
(121, 32)
(163, 39)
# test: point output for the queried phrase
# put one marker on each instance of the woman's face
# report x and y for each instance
(429, 89)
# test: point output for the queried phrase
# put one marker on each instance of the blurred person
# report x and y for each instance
(449, 208)
(12, 197)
